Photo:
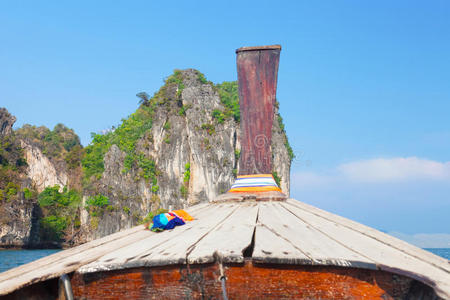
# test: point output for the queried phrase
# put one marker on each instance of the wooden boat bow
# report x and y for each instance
(289, 239)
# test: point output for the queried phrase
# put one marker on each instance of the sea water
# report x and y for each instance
(444, 252)
(13, 258)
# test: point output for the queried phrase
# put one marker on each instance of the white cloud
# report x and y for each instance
(384, 193)
(378, 170)
(394, 169)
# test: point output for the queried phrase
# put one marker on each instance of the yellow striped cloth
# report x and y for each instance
(254, 183)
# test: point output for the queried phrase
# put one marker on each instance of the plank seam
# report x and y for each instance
(279, 235)
(44, 277)
(192, 247)
(182, 231)
(68, 255)
(370, 236)
(251, 247)
(330, 237)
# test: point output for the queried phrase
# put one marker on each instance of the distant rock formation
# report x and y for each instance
(32, 159)
(16, 213)
(6, 122)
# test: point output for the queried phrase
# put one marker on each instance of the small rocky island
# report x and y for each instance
(180, 148)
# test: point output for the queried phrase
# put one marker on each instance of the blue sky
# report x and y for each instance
(363, 86)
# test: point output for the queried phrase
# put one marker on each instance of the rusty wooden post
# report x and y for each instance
(257, 69)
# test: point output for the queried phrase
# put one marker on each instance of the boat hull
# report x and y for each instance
(243, 281)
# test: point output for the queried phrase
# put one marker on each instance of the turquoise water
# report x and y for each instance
(12, 258)
(444, 252)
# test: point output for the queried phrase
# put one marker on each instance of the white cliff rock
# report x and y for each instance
(41, 170)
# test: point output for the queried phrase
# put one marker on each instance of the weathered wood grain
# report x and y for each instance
(229, 240)
(270, 247)
(321, 249)
(120, 258)
(386, 257)
(168, 246)
(246, 281)
(253, 196)
(130, 255)
(257, 78)
(54, 258)
(389, 240)
(67, 264)
(197, 207)
(176, 250)
(71, 259)
(287, 233)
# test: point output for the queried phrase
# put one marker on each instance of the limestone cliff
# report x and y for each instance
(53, 156)
(40, 169)
(179, 148)
(16, 223)
(31, 160)
(17, 209)
(195, 154)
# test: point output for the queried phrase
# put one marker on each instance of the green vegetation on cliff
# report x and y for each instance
(95, 205)
(61, 143)
(288, 146)
(12, 168)
(127, 134)
(133, 128)
(133, 136)
(60, 213)
(229, 96)
(11, 154)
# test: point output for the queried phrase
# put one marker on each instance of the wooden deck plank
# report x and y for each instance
(229, 240)
(389, 240)
(71, 259)
(55, 258)
(67, 264)
(115, 259)
(321, 249)
(272, 248)
(176, 250)
(386, 257)
(286, 232)
(138, 254)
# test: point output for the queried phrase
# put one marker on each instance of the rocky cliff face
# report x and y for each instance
(53, 156)
(17, 223)
(282, 153)
(41, 170)
(31, 160)
(196, 157)
(17, 208)
(181, 147)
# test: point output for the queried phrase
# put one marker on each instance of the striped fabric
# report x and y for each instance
(254, 183)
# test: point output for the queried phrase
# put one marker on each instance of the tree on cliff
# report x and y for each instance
(145, 98)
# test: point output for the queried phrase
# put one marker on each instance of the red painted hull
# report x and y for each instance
(243, 281)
